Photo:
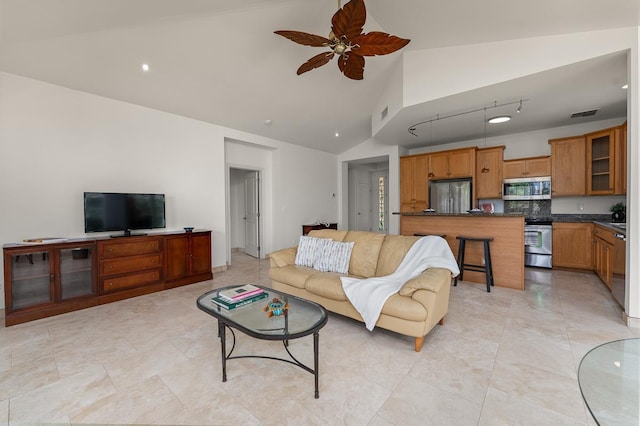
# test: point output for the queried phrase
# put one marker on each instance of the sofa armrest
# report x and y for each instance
(283, 257)
(433, 279)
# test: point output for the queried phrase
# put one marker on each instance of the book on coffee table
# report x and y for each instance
(226, 304)
(240, 293)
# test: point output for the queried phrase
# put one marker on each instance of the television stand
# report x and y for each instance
(74, 274)
(127, 233)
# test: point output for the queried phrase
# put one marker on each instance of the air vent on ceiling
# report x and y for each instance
(384, 113)
(584, 113)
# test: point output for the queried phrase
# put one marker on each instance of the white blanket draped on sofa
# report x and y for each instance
(369, 295)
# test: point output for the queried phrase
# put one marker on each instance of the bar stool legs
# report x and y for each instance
(487, 268)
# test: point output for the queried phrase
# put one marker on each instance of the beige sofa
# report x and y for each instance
(421, 303)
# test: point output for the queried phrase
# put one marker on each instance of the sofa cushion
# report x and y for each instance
(308, 250)
(405, 308)
(334, 257)
(295, 276)
(334, 234)
(393, 250)
(364, 257)
(326, 284)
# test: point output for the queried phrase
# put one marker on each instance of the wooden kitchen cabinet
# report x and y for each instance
(601, 150)
(413, 183)
(603, 253)
(456, 163)
(568, 166)
(572, 245)
(620, 161)
(488, 177)
(527, 167)
(188, 255)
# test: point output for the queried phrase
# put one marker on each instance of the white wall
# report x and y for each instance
(56, 143)
(307, 185)
(457, 69)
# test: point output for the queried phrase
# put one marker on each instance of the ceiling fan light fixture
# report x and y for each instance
(347, 40)
(499, 119)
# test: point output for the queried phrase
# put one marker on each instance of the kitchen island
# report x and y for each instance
(507, 247)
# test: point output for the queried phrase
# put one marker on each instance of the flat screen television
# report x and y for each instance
(111, 211)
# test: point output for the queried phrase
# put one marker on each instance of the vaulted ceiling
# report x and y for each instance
(220, 62)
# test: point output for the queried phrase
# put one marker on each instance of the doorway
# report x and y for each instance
(245, 203)
(368, 195)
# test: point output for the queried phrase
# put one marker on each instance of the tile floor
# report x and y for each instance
(505, 358)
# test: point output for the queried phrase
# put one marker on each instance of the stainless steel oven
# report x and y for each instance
(537, 243)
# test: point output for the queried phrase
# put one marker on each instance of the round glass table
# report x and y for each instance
(609, 377)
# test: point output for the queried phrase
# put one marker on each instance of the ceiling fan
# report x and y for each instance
(347, 40)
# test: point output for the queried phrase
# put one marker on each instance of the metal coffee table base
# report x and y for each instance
(223, 346)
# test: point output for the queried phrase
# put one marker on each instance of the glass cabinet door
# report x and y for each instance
(76, 272)
(31, 279)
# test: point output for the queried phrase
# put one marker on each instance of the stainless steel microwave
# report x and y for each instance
(537, 188)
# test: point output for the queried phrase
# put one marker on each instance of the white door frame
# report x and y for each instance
(228, 220)
(252, 218)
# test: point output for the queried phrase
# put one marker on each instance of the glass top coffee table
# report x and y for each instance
(302, 318)
(609, 377)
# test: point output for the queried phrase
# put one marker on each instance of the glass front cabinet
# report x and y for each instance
(43, 278)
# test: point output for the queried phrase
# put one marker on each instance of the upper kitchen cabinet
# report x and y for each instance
(601, 152)
(568, 166)
(620, 154)
(413, 183)
(527, 167)
(488, 179)
(456, 163)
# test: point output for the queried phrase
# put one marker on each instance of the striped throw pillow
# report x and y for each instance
(308, 250)
(335, 257)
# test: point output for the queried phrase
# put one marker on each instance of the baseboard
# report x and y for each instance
(219, 268)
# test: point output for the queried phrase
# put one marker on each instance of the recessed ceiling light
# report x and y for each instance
(625, 87)
(337, 135)
(267, 122)
(145, 67)
(499, 119)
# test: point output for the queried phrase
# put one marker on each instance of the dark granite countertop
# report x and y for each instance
(581, 218)
(474, 214)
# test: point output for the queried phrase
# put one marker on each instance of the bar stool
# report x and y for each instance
(486, 268)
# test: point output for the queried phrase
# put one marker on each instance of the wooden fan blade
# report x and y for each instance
(315, 62)
(352, 66)
(378, 43)
(349, 21)
(305, 39)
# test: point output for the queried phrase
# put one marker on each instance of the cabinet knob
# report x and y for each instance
(110, 250)
(153, 261)
(110, 266)
(110, 284)
(153, 276)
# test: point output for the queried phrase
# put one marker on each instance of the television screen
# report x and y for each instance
(109, 211)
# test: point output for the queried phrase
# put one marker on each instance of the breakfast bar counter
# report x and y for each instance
(507, 247)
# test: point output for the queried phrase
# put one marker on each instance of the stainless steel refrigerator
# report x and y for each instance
(450, 195)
